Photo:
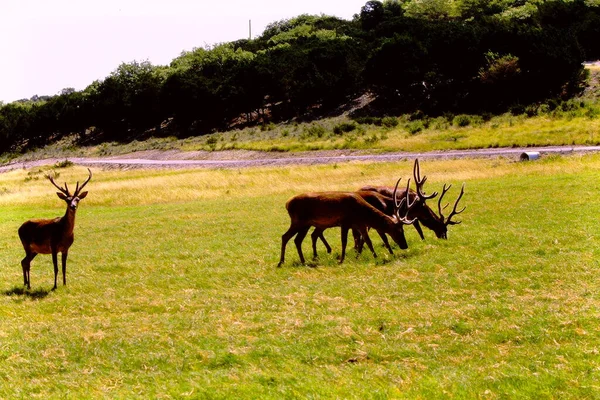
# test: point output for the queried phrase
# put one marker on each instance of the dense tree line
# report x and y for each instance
(433, 56)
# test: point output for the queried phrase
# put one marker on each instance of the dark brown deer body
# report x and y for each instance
(385, 204)
(51, 236)
(344, 209)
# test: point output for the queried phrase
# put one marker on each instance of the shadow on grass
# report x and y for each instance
(33, 294)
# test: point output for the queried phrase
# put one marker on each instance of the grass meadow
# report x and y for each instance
(173, 291)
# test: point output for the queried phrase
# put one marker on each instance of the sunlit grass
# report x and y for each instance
(173, 292)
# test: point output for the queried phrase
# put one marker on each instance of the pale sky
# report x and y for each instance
(49, 45)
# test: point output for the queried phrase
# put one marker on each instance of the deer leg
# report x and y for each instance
(316, 233)
(419, 230)
(386, 243)
(365, 235)
(358, 242)
(298, 241)
(327, 246)
(344, 242)
(55, 262)
(26, 266)
(64, 267)
(284, 239)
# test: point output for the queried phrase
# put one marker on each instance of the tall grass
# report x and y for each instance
(173, 292)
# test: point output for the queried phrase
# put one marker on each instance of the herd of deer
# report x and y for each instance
(382, 208)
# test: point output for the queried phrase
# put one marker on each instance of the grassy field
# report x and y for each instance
(173, 292)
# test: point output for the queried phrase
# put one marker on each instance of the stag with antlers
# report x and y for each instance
(421, 211)
(347, 210)
(52, 236)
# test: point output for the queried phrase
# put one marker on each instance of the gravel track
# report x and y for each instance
(245, 159)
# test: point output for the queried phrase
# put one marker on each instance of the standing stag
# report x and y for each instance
(347, 210)
(51, 236)
(421, 211)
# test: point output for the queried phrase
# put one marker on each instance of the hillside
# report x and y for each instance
(575, 122)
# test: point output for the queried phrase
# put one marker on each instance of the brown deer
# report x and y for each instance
(383, 203)
(347, 210)
(51, 236)
(421, 211)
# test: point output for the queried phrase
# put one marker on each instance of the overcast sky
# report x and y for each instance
(49, 45)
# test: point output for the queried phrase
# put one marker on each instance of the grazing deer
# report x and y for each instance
(421, 211)
(51, 236)
(383, 203)
(344, 209)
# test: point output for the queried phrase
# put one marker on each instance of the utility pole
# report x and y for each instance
(249, 29)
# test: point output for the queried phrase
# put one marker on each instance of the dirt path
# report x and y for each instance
(245, 159)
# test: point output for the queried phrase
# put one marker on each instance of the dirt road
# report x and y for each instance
(245, 159)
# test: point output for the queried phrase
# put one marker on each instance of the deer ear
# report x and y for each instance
(82, 195)
(61, 196)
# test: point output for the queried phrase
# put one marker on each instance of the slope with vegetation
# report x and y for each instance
(431, 61)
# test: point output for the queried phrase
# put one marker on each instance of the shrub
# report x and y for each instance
(389, 122)
(531, 110)
(267, 127)
(477, 120)
(461, 120)
(368, 120)
(212, 140)
(440, 123)
(415, 127)
(63, 164)
(372, 139)
(315, 130)
(344, 127)
(543, 109)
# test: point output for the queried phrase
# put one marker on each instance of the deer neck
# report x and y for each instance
(68, 220)
(379, 220)
(430, 219)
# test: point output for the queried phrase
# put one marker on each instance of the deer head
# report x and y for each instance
(73, 199)
(439, 224)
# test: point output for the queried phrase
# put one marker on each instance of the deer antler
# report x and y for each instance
(420, 182)
(398, 204)
(64, 190)
(406, 200)
(77, 188)
(448, 221)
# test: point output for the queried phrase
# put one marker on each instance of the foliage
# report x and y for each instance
(461, 120)
(414, 127)
(344, 127)
(437, 56)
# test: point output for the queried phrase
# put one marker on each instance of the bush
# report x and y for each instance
(440, 123)
(368, 120)
(389, 122)
(63, 164)
(415, 127)
(344, 127)
(267, 127)
(315, 130)
(461, 120)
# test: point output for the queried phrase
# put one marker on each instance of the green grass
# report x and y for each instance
(173, 292)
